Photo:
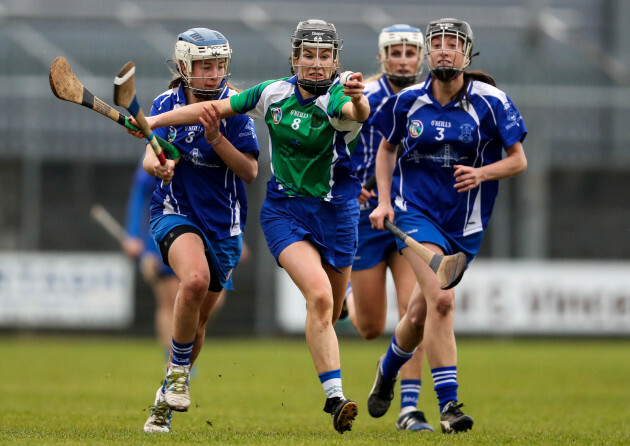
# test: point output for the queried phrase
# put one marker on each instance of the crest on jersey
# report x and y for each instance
(415, 128)
(172, 134)
(511, 113)
(466, 133)
(276, 115)
(318, 119)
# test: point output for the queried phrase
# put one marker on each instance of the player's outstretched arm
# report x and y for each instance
(189, 114)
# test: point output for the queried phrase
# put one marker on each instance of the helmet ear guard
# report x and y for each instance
(400, 34)
(319, 35)
(450, 27)
(205, 45)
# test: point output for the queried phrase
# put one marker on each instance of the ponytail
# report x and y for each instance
(228, 85)
(479, 76)
(462, 95)
(175, 82)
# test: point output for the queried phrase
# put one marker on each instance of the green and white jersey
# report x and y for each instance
(310, 143)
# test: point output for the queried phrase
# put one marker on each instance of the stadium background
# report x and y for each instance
(564, 63)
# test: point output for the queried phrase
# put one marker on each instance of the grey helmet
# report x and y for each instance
(449, 27)
(317, 34)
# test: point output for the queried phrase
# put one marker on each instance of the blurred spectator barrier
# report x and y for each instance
(77, 291)
(512, 297)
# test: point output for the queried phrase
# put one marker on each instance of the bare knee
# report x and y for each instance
(445, 303)
(320, 304)
(194, 285)
(417, 320)
(416, 313)
(370, 330)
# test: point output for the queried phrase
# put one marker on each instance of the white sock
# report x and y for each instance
(333, 388)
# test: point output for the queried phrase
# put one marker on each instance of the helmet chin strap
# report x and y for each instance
(315, 87)
(402, 80)
(446, 74)
(206, 95)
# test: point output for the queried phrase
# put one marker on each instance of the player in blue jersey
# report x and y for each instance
(454, 128)
(139, 245)
(198, 211)
(311, 212)
(400, 55)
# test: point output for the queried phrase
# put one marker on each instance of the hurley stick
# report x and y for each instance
(65, 85)
(125, 96)
(108, 222)
(449, 269)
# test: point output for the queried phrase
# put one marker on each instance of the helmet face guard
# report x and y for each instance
(464, 37)
(212, 49)
(312, 40)
(406, 36)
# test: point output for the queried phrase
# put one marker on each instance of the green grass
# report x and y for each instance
(251, 391)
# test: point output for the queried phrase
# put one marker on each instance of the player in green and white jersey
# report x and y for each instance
(310, 214)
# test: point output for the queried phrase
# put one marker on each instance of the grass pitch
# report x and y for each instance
(258, 392)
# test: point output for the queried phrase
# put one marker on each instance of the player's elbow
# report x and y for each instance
(518, 160)
(249, 179)
(250, 175)
(519, 166)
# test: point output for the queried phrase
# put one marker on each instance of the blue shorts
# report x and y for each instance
(423, 229)
(374, 245)
(332, 228)
(222, 255)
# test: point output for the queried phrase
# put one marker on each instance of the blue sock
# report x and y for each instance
(445, 379)
(395, 358)
(181, 353)
(409, 394)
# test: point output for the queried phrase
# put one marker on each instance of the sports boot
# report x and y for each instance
(382, 392)
(160, 415)
(413, 421)
(343, 413)
(176, 392)
(453, 420)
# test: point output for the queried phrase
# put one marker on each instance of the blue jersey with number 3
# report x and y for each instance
(204, 189)
(435, 138)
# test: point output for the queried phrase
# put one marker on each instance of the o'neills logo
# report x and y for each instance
(276, 115)
(415, 128)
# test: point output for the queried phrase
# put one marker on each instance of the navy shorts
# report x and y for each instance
(332, 228)
(374, 245)
(423, 229)
(222, 255)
